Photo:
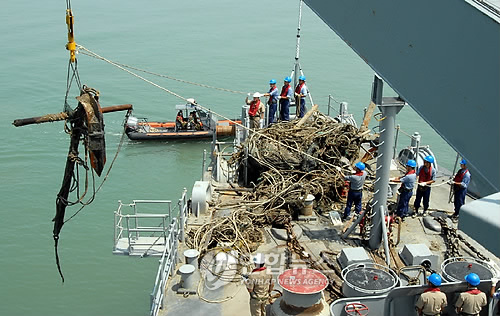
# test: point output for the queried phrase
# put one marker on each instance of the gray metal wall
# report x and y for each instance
(443, 58)
(480, 220)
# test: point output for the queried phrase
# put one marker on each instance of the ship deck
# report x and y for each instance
(317, 234)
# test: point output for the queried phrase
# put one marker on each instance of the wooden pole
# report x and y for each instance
(307, 115)
(65, 115)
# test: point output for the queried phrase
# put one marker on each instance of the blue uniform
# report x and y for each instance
(355, 193)
(405, 193)
(273, 103)
(424, 191)
(303, 91)
(462, 176)
(286, 96)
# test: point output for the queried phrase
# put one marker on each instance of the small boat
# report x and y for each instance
(192, 122)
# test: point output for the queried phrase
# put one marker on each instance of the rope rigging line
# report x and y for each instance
(93, 55)
(103, 180)
(206, 109)
(72, 73)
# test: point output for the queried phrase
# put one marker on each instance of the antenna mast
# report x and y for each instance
(297, 70)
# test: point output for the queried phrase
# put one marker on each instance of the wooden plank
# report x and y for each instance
(368, 115)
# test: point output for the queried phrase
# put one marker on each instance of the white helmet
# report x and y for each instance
(190, 100)
(259, 258)
(256, 95)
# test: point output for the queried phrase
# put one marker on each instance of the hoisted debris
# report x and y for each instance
(286, 163)
(84, 124)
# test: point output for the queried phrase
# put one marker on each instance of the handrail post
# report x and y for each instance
(128, 235)
(329, 103)
(203, 164)
(169, 211)
(181, 221)
(136, 221)
(164, 231)
(396, 141)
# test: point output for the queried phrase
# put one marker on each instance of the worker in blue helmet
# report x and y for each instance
(273, 95)
(285, 97)
(426, 175)
(471, 302)
(432, 301)
(460, 183)
(406, 188)
(355, 194)
(301, 92)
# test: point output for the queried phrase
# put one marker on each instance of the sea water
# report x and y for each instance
(234, 45)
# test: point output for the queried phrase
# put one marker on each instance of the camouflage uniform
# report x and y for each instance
(259, 285)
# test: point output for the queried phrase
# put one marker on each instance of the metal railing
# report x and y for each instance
(490, 6)
(170, 254)
(166, 268)
(131, 226)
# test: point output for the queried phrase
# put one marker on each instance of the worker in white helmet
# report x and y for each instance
(259, 285)
(256, 110)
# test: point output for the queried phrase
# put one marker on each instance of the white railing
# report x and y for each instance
(130, 225)
(169, 257)
(166, 269)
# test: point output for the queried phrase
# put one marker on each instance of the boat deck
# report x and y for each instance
(317, 234)
(141, 246)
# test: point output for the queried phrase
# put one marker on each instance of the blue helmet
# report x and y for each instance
(411, 163)
(472, 279)
(360, 165)
(272, 81)
(429, 159)
(302, 78)
(288, 79)
(463, 162)
(435, 279)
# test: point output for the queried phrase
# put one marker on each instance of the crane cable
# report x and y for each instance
(93, 55)
(72, 73)
(207, 109)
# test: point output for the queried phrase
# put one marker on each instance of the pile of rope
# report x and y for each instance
(286, 163)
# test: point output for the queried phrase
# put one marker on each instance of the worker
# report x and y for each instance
(180, 122)
(285, 97)
(355, 194)
(259, 284)
(300, 96)
(470, 302)
(256, 110)
(194, 122)
(460, 183)
(432, 301)
(493, 293)
(273, 95)
(426, 175)
(406, 188)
